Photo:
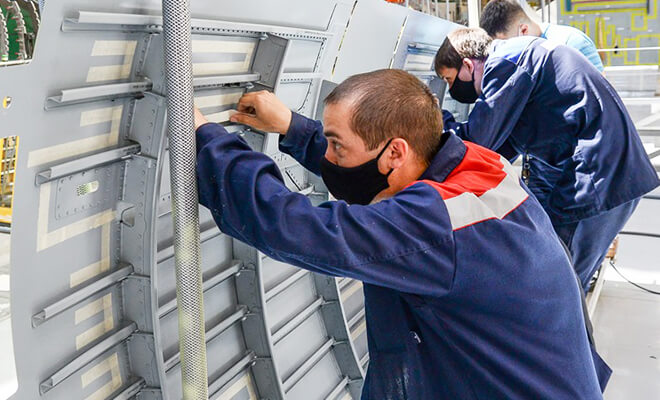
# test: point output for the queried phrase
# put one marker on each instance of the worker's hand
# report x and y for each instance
(200, 119)
(263, 111)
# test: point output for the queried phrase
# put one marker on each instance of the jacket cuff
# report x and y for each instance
(207, 132)
(298, 134)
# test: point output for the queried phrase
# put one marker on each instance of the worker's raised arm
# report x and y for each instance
(385, 244)
(506, 90)
(302, 138)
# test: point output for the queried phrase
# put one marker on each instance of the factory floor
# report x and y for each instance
(626, 322)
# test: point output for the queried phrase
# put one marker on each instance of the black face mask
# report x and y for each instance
(463, 92)
(356, 185)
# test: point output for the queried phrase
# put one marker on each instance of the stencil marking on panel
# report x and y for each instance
(111, 365)
(112, 48)
(219, 47)
(102, 305)
(46, 239)
(76, 147)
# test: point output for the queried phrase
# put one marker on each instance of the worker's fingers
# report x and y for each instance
(253, 99)
(246, 108)
(247, 119)
(245, 104)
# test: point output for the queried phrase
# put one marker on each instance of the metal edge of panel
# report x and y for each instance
(337, 327)
(256, 329)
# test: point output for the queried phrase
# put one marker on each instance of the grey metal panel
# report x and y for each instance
(291, 301)
(427, 33)
(275, 272)
(319, 382)
(353, 299)
(364, 37)
(293, 350)
(303, 56)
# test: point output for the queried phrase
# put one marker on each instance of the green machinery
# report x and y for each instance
(19, 25)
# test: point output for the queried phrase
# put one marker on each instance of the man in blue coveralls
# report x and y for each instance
(468, 292)
(582, 156)
(505, 19)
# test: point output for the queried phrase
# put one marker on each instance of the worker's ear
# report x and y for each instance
(523, 30)
(469, 67)
(395, 155)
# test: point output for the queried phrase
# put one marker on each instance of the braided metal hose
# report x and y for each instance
(178, 66)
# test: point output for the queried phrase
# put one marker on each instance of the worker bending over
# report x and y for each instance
(468, 292)
(505, 19)
(582, 157)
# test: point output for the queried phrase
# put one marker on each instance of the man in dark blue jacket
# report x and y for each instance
(582, 157)
(468, 291)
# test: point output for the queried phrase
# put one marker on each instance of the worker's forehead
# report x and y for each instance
(446, 72)
(338, 113)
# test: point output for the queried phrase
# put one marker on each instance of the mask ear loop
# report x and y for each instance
(457, 74)
(382, 152)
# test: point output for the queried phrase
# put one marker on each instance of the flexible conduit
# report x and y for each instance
(185, 211)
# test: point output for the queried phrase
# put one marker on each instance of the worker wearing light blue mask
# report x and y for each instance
(582, 157)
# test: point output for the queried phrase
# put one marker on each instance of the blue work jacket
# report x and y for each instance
(468, 292)
(547, 103)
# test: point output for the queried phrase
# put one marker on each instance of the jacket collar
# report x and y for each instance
(450, 154)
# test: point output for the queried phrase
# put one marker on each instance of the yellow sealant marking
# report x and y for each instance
(102, 48)
(98, 116)
(218, 100)
(222, 46)
(200, 69)
(88, 311)
(352, 288)
(114, 48)
(221, 116)
(250, 388)
(97, 268)
(359, 330)
(77, 147)
(111, 365)
(98, 330)
(347, 396)
(234, 389)
(48, 239)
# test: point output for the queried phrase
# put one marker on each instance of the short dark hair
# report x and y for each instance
(391, 103)
(462, 43)
(499, 15)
